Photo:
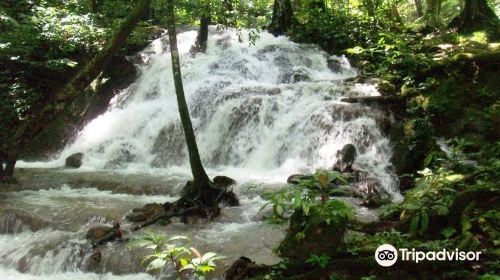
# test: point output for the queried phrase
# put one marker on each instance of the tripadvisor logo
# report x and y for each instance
(387, 255)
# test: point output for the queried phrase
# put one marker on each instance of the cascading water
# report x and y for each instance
(260, 113)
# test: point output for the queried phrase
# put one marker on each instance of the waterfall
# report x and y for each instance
(261, 112)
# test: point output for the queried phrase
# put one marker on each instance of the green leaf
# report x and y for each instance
(188, 266)
(414, 224)
(178, 237)
(297, 199)
(279, 210)
(156, 264)
(448, 232)
(424, 223)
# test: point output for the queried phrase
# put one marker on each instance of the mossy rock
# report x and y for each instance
(312, 234)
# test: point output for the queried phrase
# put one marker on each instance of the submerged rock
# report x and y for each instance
(93, 262)
(146, 213)
(102, 233)
(74, 160)
(15, 220)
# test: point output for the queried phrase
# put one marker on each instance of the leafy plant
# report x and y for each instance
(167, 250)
(321, 261)
(201, 265)
(304, 195)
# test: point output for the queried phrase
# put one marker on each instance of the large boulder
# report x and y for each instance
(345, 158)
(74, 160)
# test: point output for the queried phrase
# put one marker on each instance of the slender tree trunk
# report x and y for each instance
(476, 14)
(93, 6)
(282, 19)
(200, 177)
(1, 169)
(395, 14)
(432, 11)
(7, 173)
(202, 38)
(9, 167)
(418, 8)
(43, 115)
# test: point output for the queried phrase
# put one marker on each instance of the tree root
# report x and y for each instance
(196, 201)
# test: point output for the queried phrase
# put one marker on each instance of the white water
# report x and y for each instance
(254, 118)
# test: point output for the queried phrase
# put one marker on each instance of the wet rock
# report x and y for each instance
(123, 154)
(296, 178)
(223, 181)
(93, 262)
(346, 157)
(334, 65)
(147, 212)
(14, 221)
(244, 268)
(169, 146)
(102, 233)
(229, 198)
(74, 160)
(294, 76)
(372, 193)
(383, 86)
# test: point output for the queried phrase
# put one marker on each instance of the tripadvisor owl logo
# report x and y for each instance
(386, 255)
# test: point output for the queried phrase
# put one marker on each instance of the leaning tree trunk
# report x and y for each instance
(55, 105)
(200, 177)
(282, 19)
(476, 14)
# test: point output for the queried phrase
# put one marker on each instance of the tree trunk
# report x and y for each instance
(282, 19)
(202, 38)
(418, 8)
(43, 115)
(200, 177)
(7, 173)
(395, 14)
(476, 14)
(93, 6)
(432, 11)
(1, 169)
(10, 163)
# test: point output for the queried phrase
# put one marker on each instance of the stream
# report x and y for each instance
(260, 113)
